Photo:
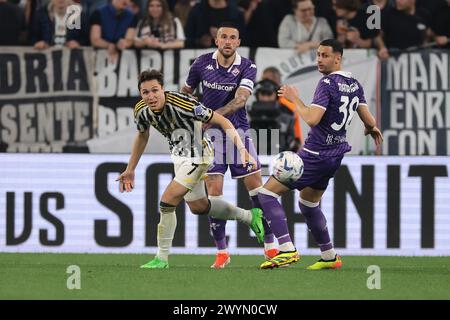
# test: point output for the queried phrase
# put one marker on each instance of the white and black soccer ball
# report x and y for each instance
(287, 166)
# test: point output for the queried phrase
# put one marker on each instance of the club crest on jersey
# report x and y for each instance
(235, 72)
(200, 111)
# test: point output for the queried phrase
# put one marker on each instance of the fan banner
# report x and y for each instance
(415, 103)
(46, 99)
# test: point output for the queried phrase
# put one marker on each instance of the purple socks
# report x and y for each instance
(275, 216)
(317, 224)
(217, 228)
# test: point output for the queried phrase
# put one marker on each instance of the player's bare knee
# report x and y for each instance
(253, 182)
(199, 207)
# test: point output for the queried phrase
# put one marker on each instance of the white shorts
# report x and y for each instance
(191, 176)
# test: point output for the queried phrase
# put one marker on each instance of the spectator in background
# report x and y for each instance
(302, 30)
(278, 10)
(405, 26)
(182, 9)
(30, 9)
(204, 19)
(89, 6)
(441, 25)
(135, 7)
(49, 27)
(259, 25)
(12, 24)
(351, 26)
(382, 4)
(113, 27)
(159, 29)
(325, 9)
(272, 73)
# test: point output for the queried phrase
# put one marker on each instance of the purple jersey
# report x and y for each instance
(340, 95)
(219, 84)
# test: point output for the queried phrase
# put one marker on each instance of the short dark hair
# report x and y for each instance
(333, 43)
(273, 70)
(148, 75)
(228, 24)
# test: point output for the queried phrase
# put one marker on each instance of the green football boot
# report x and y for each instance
(156, 263)
(256, 225)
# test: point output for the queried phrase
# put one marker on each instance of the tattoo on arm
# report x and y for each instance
(234, 105)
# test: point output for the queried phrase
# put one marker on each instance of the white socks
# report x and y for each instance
(287, 246)
(328, 254)
(166, 230)
(225, 211)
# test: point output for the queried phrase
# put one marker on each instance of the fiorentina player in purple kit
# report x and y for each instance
(227, 82)
(338, 96)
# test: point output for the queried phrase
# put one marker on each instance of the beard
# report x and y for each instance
(227, 55)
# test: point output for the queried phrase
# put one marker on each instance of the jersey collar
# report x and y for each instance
(236, 62)
(343, 73)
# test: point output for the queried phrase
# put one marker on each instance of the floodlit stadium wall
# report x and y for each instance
(71, 203)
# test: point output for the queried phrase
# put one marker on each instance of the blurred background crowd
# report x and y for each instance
(388, 26)
(172, 24)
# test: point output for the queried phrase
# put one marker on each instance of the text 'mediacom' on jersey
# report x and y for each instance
(216, 86)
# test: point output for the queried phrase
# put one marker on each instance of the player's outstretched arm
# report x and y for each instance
(126, 179)
(240, 98)
(231, 132)
(369, 124)
(311, 115)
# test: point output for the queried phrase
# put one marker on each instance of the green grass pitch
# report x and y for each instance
(118, 276)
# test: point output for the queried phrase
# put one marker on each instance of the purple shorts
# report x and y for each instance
(318, 171)
(226, 155)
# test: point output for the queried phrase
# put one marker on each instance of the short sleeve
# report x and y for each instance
(361, 96)
(95, 18)
(179, 29)
(322, 94)
(139, 119)
(248, 77)
(141, 125)
(193, 78)
(202, 113)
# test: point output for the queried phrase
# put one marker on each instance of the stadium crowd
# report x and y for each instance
(172, 24)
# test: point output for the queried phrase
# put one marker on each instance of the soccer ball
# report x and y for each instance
(287, 166)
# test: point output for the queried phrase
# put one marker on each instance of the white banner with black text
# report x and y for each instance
(71, 203)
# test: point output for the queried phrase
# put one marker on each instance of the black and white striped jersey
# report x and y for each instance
(180, 122)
